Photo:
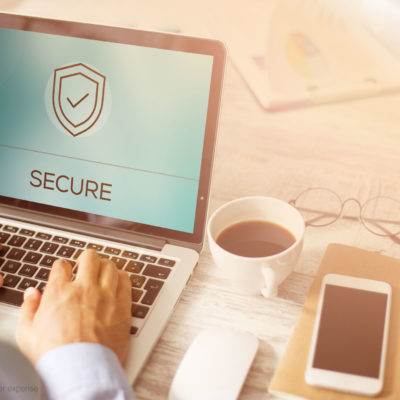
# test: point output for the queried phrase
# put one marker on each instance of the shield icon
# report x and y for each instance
(78, 97)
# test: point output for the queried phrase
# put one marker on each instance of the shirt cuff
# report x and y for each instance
(86, 371)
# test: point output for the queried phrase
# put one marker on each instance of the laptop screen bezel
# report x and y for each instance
(151, 39)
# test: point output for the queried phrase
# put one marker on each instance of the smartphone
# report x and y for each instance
(349, 340)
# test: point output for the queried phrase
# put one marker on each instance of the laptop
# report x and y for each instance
(107, 137)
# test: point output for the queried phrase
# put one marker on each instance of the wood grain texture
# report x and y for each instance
(352, 148)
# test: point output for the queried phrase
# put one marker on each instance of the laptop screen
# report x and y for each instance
(110, 129)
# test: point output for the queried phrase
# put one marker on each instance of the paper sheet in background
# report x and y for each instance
(300, 52)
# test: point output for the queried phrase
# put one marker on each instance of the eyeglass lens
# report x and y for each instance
(319, 207)
(381, 215)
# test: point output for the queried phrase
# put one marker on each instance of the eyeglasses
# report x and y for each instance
(322, 207)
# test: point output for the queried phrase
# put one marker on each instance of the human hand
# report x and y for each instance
(95, 307)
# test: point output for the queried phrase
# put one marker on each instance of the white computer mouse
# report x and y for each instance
(215, 366)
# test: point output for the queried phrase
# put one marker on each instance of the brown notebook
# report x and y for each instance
(288, 381)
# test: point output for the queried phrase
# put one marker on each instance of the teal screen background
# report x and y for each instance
(148, 146)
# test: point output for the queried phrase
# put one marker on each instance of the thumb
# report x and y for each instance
(30, 305)
(28, 310)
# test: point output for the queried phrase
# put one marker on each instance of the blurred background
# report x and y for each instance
(289, 52)
(340, 57)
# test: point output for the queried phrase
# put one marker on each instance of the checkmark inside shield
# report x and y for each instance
(73, 105)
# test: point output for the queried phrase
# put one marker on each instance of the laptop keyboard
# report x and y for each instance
(27, 255)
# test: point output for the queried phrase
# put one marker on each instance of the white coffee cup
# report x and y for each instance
(256, 275)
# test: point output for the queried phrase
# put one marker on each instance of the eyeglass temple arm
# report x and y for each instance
(392, 236)
(323, 214)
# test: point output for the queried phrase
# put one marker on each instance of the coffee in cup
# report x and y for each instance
(255, 238)
(257, 242)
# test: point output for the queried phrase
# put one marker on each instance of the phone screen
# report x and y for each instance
(351, 330)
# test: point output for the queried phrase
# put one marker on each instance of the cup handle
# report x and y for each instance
(271, 288)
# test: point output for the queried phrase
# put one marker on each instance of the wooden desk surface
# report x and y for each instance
(352, 148)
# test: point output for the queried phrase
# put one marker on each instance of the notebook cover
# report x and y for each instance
(288, 381)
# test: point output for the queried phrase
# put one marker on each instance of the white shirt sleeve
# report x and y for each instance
(84, 371)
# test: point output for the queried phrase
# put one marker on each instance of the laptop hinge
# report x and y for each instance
(83, 228)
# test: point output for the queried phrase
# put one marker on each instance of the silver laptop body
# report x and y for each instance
(107, 137)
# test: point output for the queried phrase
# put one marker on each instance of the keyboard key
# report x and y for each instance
(47, 261)
(136, 294)
(156, 272)
(26, 232)
(41, 286)
(26, 282)
(112, 250)
(139, 311)
(134, 267)
(11, 296)
(9, 228)
(65, 251)
(11, 281)
(153, 287)
(154, 284)
(78, 253)
(137, 280)
(43, 236)
(43, 274)
(134, 329)
(49, 248)
(11, 266)
(130, 254)
(28, 270)
(60, 239)
(119, 262)
(16, 254)
(166, 262)
(16, 241)
(149, 297)
(33, 244)
(77, 243)
(4, 250)
(32, 258)
(147, 258)
(96, 247)
(102, 255)
(4, 237)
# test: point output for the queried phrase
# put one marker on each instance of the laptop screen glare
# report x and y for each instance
(105, 128)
